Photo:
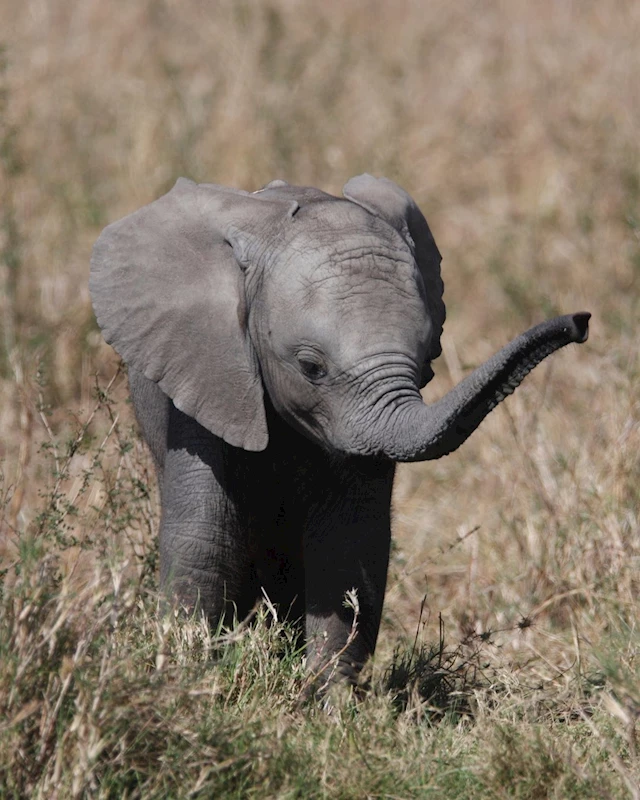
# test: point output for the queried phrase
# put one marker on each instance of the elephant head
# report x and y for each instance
(334, 306)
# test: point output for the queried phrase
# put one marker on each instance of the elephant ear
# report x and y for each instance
(168, 291)
(385, 199)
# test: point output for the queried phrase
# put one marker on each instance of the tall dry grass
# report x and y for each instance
(515, 126)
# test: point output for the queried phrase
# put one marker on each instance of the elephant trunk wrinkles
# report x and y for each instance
(423, 432)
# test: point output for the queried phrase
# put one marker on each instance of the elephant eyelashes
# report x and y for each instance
(312, 370)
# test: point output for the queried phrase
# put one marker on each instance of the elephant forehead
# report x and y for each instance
(362, 277)
(347, 259)
(358, 277)
(356, 299)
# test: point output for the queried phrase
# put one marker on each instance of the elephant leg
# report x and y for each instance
(346, 546)
(204, 559)
(280, 570)
(151, 405)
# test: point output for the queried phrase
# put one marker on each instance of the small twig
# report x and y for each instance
(62, 468)
(444, 550)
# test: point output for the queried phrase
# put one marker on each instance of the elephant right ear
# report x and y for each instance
(169, 294)
(387, 200)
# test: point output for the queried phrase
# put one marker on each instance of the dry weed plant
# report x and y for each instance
(515, 126)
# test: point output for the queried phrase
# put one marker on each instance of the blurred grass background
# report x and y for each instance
(515, 125)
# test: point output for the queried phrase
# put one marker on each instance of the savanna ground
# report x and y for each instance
(508, 656)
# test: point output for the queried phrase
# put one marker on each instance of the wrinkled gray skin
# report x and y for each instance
(276, 344)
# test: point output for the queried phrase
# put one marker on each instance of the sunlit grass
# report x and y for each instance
(516, 559)
(103, 695)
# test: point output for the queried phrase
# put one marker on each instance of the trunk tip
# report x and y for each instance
(581, 326)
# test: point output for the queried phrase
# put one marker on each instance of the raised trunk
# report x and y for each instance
(422, 432)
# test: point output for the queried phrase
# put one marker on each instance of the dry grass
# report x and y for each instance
(515, 126)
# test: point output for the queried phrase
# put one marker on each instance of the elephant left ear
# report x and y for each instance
(385, 199)
(168, 288)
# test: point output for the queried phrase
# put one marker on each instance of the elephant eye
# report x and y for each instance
(312, 370)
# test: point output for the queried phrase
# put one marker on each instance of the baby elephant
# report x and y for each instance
(277, 343)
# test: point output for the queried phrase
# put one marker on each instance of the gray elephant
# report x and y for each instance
(277, 343)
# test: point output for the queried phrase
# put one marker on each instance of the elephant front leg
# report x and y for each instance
(346, 548)
(204, 560)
